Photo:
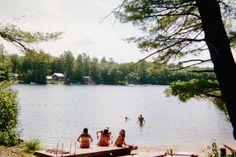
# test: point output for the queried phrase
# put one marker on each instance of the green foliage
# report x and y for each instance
(78, 70)
(8, 114)
(34, 67)
(68, 61)
(14, 59)
(5, 66)
(15, 35)
(193, 88)
(171, 29)
(197, 88)
(32, 145)
(9, 137)
(215, 150)
(220, 104)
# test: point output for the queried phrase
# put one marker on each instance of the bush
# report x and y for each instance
(9, 135)
(32, 145)
(9, 138)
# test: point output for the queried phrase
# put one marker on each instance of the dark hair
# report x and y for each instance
(105, 131)
(85, 130)
(122, 132)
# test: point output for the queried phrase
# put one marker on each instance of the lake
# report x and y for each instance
(53, 113)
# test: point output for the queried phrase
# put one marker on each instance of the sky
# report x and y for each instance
(82, 24)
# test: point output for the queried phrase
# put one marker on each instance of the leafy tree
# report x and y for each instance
(105, 70)
(124, 70)
(24, 39)
(112, 74)
(87, 64)
(8, 102)
(181, 28)
(96, 71)
(68, 60)
(5, 66)
(78, 70)
(15, 61)
(8, 115)
(142, 73)
(57, 65)
(35, 67)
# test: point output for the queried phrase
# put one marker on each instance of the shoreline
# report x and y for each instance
(200, 151)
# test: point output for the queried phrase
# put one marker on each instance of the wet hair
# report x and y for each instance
(105, 131)
(122, 132)
(85, 130)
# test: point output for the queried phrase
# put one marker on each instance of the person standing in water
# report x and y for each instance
(141, 120)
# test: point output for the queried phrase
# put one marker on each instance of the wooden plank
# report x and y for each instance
(148, 154)
(231, 147)
(182, 155)
(90, 152)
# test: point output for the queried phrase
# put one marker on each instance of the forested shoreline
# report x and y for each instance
(34, 67)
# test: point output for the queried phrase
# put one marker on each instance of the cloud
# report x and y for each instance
(79, 19)
(86, 41)
(54, 8)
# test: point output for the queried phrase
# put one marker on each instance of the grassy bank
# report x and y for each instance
(16, 151)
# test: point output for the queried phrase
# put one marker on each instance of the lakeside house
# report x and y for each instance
(88, 80)
(56, 77)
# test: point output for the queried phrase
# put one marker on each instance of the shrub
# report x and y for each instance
(9, 138)
(32, 145)
(8, 115)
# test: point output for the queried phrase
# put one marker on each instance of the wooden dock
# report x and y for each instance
(231, 147)
(147, 154)
(90, 152)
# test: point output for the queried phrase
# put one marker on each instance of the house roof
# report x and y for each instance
(58, 74)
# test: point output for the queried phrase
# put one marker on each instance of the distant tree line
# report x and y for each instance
(35, 66)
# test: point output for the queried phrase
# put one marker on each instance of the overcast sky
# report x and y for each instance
(81, 22)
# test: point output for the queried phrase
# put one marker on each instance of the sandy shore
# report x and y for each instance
(200, 151)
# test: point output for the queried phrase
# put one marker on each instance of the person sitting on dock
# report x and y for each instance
(85, 139)
(105, 137)
(120, 140)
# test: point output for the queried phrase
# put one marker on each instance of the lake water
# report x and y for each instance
(53, 113)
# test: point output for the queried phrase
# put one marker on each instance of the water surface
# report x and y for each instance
(58, 112)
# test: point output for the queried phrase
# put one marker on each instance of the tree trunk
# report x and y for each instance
(221, 55)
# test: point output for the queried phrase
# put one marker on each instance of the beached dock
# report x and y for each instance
(90, 152)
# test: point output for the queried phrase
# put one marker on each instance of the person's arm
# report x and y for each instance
(124, 141)
(78, 139)
(115, 142)
(91, 138)
(97, 133)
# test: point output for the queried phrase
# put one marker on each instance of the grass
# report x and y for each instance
(32, 145)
